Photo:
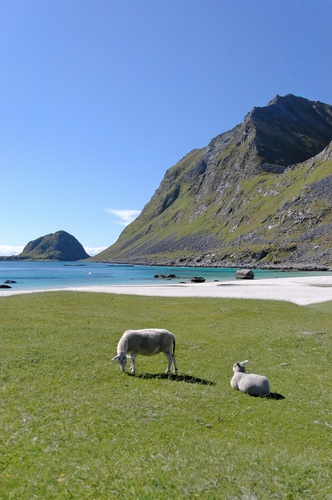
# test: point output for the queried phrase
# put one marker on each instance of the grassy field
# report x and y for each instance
(74, 426)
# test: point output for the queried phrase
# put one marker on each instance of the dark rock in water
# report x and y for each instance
(244, 274)
(163, 276)
(10, 281)
(197, 279)
(5, 286)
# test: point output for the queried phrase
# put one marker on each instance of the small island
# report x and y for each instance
(60, 246)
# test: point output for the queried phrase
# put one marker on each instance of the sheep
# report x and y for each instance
(255, 385)
(148, 342)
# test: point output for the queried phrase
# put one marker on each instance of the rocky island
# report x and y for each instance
(60, 246)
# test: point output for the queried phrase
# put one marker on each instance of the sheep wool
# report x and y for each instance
(148, 341)
(250, 383)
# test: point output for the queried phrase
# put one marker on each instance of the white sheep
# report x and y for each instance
(255, 385)
(148, 342)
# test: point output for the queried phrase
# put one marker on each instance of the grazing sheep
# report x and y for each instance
(255, 385)
(148, 342)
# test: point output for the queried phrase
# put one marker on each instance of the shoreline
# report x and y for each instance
(300, 291)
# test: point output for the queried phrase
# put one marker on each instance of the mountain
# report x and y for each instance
(258, 195)
(56, 246)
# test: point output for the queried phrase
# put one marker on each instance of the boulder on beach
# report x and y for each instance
(244, 274)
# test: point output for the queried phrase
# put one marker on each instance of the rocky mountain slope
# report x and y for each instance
(258, 195)
(56, 246)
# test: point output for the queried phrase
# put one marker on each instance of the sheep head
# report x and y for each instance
(122, 360)
(239, 366)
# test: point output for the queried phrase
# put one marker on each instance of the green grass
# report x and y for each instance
(74, 426)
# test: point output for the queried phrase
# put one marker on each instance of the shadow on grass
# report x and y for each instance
(172, 376)
(275, 395)
(272, 395)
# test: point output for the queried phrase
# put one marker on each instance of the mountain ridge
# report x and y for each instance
(222, 200)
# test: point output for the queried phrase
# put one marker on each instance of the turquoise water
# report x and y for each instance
(51, 275)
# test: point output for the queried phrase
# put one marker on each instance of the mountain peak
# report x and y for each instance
(274, 100)
(290, 130)
(278, 99)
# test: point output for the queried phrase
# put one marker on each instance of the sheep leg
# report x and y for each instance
(132, 362)
(171, 359)
(174, 363)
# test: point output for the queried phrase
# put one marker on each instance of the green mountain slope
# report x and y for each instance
(257, 195)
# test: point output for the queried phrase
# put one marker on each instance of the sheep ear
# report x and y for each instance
(244, 362)
(115, 358)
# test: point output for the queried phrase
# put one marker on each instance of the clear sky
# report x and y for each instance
(98, 98)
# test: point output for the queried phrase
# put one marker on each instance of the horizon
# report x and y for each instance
(100, 100)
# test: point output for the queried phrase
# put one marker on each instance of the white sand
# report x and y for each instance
(301, 291)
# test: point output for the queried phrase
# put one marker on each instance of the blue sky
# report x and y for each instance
(98, 98)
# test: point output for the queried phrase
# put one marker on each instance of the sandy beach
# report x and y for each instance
(301, 291)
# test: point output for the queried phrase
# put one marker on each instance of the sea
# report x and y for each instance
(33, 275)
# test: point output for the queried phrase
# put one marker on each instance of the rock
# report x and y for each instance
(244, 274)
(10, 281)
(163, 276)
(5, 286)
(259, 255)
(197, 279)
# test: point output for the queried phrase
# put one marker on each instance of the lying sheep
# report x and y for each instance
(255, 385)
(148, 342)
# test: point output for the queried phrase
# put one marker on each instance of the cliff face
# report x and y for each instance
(56, 246)
(259, 194)
(290, 130)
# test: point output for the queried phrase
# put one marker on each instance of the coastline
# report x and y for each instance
(300, 291)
